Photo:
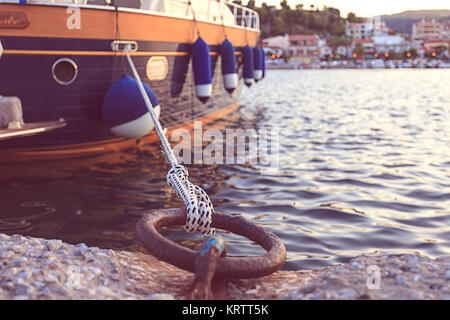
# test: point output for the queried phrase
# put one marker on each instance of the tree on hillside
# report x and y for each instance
(351, 17)
(279, 26)
(251, 4)
(334, 11)
(299, 19)
(267, 18)
(284, 5)
(336, 42)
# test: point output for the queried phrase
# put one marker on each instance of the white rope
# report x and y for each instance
(199, 208)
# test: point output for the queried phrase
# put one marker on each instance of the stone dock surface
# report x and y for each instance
(32, 268)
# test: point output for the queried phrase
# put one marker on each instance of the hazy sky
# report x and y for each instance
(366, 8)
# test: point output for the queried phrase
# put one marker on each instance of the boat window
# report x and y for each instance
(64, 71)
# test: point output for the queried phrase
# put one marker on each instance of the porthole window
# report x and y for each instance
(157, 68)
(65, 71)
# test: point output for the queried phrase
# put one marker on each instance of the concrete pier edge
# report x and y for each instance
(33, 268)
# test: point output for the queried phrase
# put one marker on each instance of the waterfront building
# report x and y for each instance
(341, 51)
(277, 41)
(368, 46)
(324, 51)
(446, 33)
(300, 47)
(358, 30)
(393, 43)
(427, 30)
(367, 29)
(378, 26)
(435, 44)
(303, 47)
(273, 50)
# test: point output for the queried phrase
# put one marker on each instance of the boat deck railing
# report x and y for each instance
(213, 11)
(243, 16)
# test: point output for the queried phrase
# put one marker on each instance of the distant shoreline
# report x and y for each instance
(364, 64)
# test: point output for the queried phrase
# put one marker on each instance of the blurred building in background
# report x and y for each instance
(303, 47)
(367, 29)
(436, 45)
(447, 29)
(299, 47)
(277, 41)
(367, 47)
(426, 30)
(394, 43)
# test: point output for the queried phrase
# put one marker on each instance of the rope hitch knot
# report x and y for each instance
(199, 208)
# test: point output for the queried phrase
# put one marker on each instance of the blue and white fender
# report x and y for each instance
(230, 76)
(201, 62)
(263, 62)
(247, 53)
(257, 71)
(124, 110)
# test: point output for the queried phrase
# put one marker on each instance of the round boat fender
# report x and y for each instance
(124, 110)
(230, 76)
(201, 62)
(1, 49)
(227, 267)
(248, 65)
(257, 71)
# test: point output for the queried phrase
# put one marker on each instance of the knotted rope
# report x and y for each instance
(193, 18)
(199, 208)
(222, 19)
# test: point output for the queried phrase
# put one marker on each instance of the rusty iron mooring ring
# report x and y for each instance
(227, 267)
